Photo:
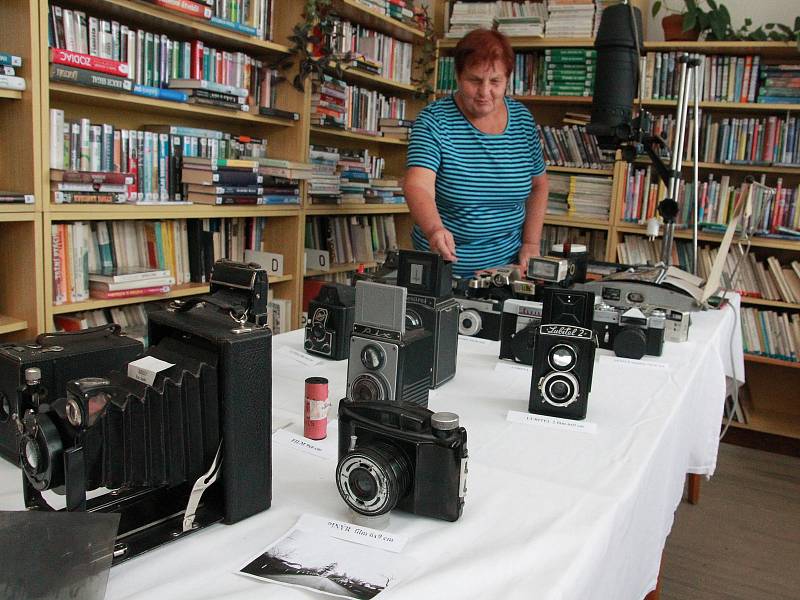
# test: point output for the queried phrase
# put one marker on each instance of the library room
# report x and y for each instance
(486, 299)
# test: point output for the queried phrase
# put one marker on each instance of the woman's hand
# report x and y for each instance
(527, 251)
(441, 241)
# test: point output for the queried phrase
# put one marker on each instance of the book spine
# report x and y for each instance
(187, 7)
(89, 78)
(86, 61)
(160, 93)
(135, 293)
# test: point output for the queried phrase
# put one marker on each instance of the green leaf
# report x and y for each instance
(689, 21)
(712, 4)
(656, 7)
(769, 26)
(748, 21)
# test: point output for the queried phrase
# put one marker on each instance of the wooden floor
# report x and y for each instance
(742, 541)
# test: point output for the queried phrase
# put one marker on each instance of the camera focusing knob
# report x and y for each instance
(444, 421)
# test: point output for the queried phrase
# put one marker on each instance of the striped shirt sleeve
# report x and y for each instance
(536, 149)
(424, 148)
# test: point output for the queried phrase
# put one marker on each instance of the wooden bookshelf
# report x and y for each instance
(10, 94)
(363, 78)
(356, 209)
(341, 268)
(728, 106)
(756, 241)
(105, 212)
(341, 134)
(577, 222)
(556, 100)
(11, 324)
(360, 13)
(530, 43)
(766, 360)
(749, 301)
(771, 50)
(580, 170)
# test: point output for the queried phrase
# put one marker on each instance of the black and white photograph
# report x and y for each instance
(316, 561)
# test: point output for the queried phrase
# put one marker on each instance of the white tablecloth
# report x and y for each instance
(549, 514)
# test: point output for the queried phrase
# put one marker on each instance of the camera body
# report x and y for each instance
(631, 332)
(518, 325)
(60, 357)
(330, 322)
(389, 361)
(480, 303)
(157, 443)
(401, 455)
(563, 355)
(427, 278)
(565, 266)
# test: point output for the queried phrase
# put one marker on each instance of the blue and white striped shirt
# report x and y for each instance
(482, 180)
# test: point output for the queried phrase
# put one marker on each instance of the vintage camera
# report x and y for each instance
(401, 456)
(428, 279)
(563, 355)
(518, 326)
(187, 449)
(480, 304)
(59, 358)
(630, 333)
(391, 356)
(330, 322)
(385, 273)
(565, 265)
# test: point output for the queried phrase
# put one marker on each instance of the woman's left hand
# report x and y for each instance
(527, 251)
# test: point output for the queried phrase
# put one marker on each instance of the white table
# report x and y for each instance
(549, 514)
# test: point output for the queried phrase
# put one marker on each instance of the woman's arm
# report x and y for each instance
(419, 187)
(535, 207)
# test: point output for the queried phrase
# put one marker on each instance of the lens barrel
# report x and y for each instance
(373, 478)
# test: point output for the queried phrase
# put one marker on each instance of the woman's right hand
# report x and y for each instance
(442, 242)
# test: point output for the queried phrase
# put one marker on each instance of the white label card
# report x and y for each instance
(297, 356)
(643, 363)
(468, 339)
(507, 367)
(146, 368)
(316, 448)
(524, 418)
(342, 530)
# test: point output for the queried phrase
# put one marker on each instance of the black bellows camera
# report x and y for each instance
(428, 279)
(401, 456)
(330, 321)
(563, 355)
(59, 357)
(391, 356)
(187, 448)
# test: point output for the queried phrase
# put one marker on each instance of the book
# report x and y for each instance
(86, 61)
(187, 7)
(130, 285)
(269, 111)
(100, 294)
(11, 82)
(127, 274)
(86, 78)
(10, 59)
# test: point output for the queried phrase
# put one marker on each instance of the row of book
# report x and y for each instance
(723, 78)
(763, 141)
(344, 176)
(139, 165)
(400, 10)
(768, 279)
(774, 208)
(176, 251)
(351, 239)
(232, 181)
(10, 78)
(338, 104)
(579, 196)
(552, 72)
(771, 334)
(555, 18)
(373, 52)
(572, 146)
(593, 239)
(95, 52)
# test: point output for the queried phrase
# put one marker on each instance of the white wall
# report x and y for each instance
(760, 11)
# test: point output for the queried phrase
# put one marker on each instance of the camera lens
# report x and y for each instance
(469, 322)
(373, 478)
(372, 357)
(559, 389)
(562, 357)
(362, 484)
(367, 388)
(317, 331)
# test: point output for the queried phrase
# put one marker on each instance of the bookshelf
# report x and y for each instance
(770, 399)
(21, 251)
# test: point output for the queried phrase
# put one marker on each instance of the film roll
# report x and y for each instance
(315, 411)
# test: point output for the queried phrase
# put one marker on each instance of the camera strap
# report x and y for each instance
(227, 301)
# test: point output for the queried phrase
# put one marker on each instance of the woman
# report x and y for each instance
(475, 181)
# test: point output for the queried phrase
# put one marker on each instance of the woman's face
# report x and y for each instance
(482, 88)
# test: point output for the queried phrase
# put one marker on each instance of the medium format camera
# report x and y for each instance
(182, 445)
(565, 265)
(630, 333)
(428, 279)
(330, 322)
(401, 456)
(59, 357)
(518, 326)
(391, 356)
(563, 355)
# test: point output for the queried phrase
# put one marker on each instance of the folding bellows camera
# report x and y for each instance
(160, 447)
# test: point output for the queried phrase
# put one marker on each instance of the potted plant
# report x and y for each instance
(694, 20)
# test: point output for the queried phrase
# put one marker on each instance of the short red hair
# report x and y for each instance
(484, 46)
